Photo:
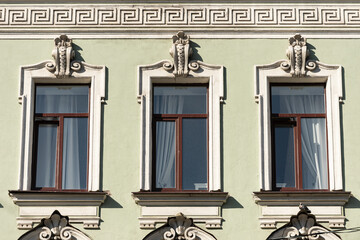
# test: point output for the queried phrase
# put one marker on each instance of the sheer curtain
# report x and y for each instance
(74, 162)
(68, 100)
(46, 155)
(314, 156)
(165, 140)
(313, 137)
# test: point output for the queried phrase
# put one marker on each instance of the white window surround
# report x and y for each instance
(54, 227)
(277, 206)
(30, 201)
(38, 73)
(209, 212)
(328, 74)
(155, 73)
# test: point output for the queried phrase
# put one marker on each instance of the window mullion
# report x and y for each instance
(298, 153)
(179, 152)
(58, 184)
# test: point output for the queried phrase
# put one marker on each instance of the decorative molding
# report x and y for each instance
(331, 76)
(277, 207)
(38, 74)
(181, 52)
(56, 227)
(81, 207)
(297, 54)
(63, 55)
(203, 207)
(229, 20)
(303, 226)
(179, 228)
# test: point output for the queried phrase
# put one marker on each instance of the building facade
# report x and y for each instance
(187, 120)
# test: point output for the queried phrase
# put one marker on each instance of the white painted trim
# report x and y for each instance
(161, 20)
(204, 207)
(278, 207)
(155, 73)
(81, 207)
(331, 75)
(29, 76)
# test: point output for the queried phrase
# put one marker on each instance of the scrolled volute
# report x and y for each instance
(297, 53)
(181, 52)
(63, 54)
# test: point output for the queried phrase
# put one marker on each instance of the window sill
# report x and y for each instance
(278, 207)
(202, 207)
(81, 207)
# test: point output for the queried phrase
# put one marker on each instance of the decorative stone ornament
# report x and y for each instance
(56, 227)
(179, 228)
(297, 54)
(63, 55)
(303, 226)
(181, 52)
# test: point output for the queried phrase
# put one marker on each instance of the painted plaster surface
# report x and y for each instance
(121, 125)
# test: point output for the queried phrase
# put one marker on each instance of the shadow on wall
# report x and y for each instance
(77, 50)
(111, 203)
(232, 203)
(342, 128)
(1, 206)
(195, 55)
(353, 203)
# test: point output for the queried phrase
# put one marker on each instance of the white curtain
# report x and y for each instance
(314, 156)
(313, 138)
(74, 161)
(302, 104)
(46, 155)
(166, 140)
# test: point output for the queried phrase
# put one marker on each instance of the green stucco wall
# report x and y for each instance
(121, 125)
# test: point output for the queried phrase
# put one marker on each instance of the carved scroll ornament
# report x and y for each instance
(63, 55)
(179, 227)
(297, 54)
(181, 52)
(303, 226)
(56, 227)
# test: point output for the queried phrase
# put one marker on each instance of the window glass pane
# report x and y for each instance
(165, 154)
(194, 154)
(46, 155)
(179, 99)
(297, 99)
(313, 151)
(74, 162)
(62, 99)
(284, 156)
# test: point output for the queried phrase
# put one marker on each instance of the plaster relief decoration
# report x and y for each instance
(297, 54)
(303, 226)
(225, 20)
(181, 52)
(56, 227)
(63, 55)
(179, 227)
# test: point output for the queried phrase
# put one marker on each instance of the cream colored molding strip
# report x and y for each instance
(161, 20)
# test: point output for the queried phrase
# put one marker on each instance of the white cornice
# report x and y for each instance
(81, 207)
(161, 20)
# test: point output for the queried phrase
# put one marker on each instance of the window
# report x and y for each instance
(180, 129)
(300, 158)
(185, 109)
(298, 121)
(61, 137)
(60, 145)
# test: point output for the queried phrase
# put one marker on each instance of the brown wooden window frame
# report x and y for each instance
(58, 119)
(294, 120)
(177, 118)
